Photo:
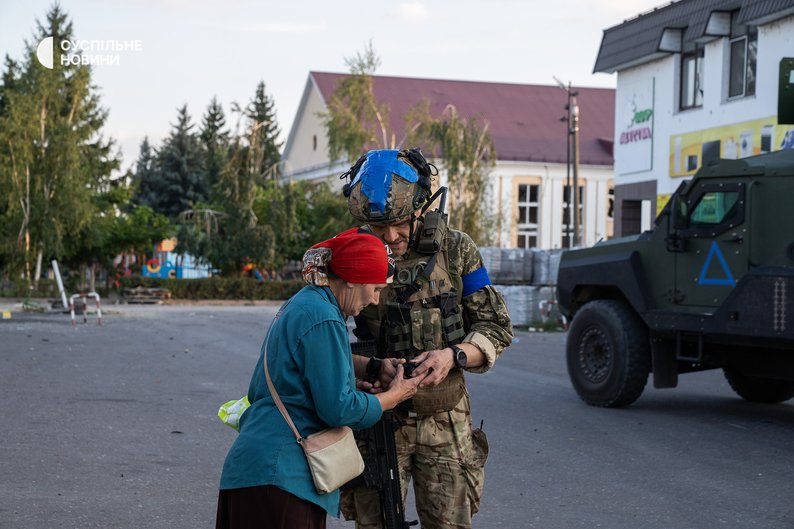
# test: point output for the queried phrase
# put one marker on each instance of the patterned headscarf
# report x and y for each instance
(355, 255)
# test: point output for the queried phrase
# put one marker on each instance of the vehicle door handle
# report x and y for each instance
(736, 238)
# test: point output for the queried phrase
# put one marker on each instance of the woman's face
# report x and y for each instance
(355, 296)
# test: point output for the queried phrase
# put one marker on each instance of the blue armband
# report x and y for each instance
(475, 281)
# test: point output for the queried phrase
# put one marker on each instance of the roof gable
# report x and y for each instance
(524, 120)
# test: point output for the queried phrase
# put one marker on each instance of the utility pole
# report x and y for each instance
(571, 118)
(575, 133)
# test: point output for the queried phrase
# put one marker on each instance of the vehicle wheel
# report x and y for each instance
(608, 354)
(759, 389)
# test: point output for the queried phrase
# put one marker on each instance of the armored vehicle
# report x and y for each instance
(711, 286)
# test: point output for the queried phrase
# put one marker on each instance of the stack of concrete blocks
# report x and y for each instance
(525, 277)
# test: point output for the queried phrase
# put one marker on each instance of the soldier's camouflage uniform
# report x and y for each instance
(438, 448)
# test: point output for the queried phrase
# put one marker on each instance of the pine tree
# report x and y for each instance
(214, 141)
(53, 157)
(145, 175)
(263, 125)
(179, 180)
(227, 233)
(240, 237)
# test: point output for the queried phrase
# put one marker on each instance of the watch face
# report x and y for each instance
(460, 356)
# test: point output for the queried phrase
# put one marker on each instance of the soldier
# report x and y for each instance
(441, 312)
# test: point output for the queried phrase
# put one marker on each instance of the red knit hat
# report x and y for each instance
(359, 257)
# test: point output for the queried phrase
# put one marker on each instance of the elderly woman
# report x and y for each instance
(266, 482)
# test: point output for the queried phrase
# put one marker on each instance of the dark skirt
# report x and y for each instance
(266, 507)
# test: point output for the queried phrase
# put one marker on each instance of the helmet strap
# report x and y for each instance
(411, 233)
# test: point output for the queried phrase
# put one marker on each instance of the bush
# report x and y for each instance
(48, 288)
(218, 287)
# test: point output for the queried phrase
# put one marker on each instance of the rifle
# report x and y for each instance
(381, 470)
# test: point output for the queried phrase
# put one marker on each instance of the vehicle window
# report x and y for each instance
(713, 207)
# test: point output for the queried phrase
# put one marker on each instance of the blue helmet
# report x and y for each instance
(387, 186)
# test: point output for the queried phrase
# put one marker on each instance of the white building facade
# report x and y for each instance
(528, 188)
(696, 81)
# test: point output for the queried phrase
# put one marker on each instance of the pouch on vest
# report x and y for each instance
(444, 397)
(426, 329)
(397, 329)
(431, 235)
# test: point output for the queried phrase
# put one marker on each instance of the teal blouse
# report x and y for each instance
(310, 364)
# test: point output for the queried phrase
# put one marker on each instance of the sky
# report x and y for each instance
(191, 50)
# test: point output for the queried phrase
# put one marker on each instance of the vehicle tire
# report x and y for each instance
(608, 354)
(759, 389)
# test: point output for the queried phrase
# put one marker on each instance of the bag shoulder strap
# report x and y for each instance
(273, 393)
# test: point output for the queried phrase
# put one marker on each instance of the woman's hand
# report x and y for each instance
(369, 387)
(400, 389)
(388, 370)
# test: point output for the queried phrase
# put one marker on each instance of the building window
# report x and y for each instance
(692, 79)
(528, 212)
(567, 220)
(743, 53)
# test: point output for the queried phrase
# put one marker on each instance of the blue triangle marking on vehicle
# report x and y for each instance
(727, 280)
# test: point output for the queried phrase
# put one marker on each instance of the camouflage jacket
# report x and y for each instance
(486, 321)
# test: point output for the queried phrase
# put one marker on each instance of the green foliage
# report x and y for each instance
(227, 233)
(174, 178)
(53, 158)
(221, 186)
(467, 155)
(214, 141)
(195, 231)
(47, 288)
(263, 135)
(218, 287)
(304, 213)
(326, 215)
(356, 122)
(138, 230)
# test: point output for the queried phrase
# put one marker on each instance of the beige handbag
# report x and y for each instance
(332, 453)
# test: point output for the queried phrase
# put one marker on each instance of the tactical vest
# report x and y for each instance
(410, 321)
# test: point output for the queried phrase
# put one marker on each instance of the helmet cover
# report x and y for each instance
(386, 189)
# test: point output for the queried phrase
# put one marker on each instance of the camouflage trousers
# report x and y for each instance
(445, 459)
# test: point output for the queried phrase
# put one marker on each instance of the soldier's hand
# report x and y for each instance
(435, 365)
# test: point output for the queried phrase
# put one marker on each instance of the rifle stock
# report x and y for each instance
(381, 468)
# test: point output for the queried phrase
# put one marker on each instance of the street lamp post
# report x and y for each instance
(575, 133)
(571, 118)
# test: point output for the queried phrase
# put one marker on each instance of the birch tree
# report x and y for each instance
(53, 156)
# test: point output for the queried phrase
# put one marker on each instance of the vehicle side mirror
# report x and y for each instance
(680, 213)
(678, 221)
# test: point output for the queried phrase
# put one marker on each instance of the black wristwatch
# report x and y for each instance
(458, 356)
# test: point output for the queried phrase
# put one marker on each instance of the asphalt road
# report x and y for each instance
(114, 427)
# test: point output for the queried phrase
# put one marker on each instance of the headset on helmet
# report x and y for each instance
(388, 186)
